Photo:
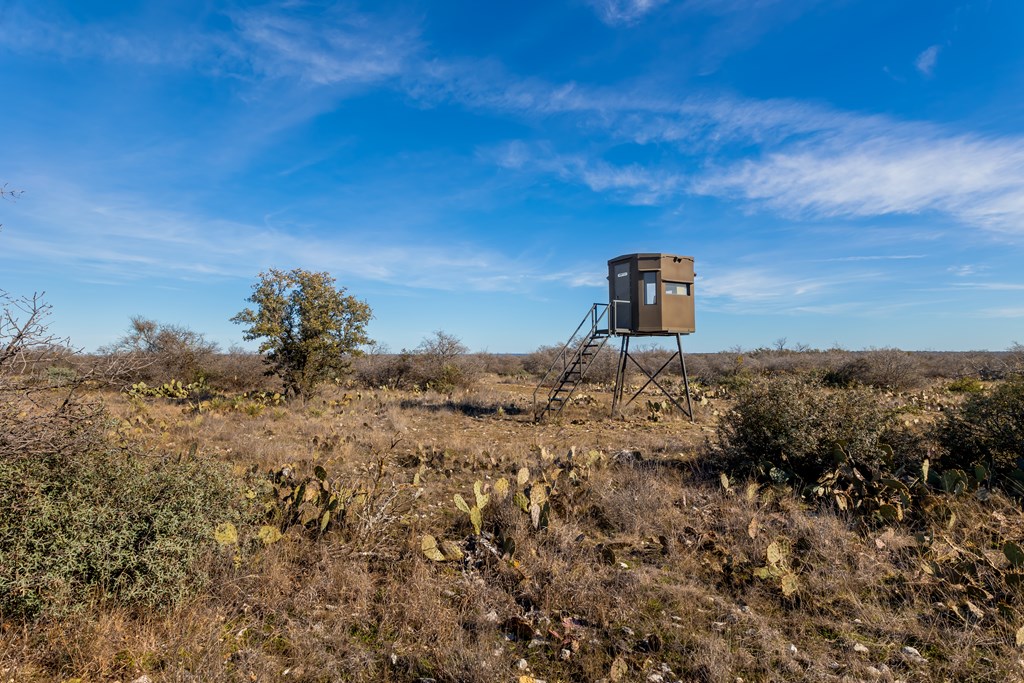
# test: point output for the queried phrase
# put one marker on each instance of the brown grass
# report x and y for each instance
(646, 568)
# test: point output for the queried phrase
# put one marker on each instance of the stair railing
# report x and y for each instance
(564, 359)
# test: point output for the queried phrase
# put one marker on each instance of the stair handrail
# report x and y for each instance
(594, 315)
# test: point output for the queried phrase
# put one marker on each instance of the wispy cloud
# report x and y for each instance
(336, 47)
(1005, 312)
(39, 32)
(927, 59)
(897, 169)
(876, 257)
(992, 286)
(807, 160)
(760, 286)
(123, 239)
(322, 47)
(624, 12)
(962, 271)
(797, 159)
(632, 184)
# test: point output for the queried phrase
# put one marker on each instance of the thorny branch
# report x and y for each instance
(41, 412)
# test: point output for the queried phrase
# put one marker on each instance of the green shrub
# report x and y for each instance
(441, 364)
(106, 526)
(787, 428)
(987, 430)
(965, 385)
(80, 519)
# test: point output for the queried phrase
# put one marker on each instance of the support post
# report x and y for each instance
(620, 379)
(620, 374)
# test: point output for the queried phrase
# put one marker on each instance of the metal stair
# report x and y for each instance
(571, 363)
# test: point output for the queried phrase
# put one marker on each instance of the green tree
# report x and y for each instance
(310, 329)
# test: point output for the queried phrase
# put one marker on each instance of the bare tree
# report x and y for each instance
(6, 193)
(166, 351)
(40, 417)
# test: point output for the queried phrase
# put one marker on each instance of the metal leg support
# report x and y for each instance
(620, 379)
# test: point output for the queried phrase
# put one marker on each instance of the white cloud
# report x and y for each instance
(624, 12)
(897, 169)
(325, 50)
(962, 271)
(335, 46)
(1007, 312)
(762, 286)
(878, 257)
(122, 238)
(633, 183)
(798, 159)
(926, 61)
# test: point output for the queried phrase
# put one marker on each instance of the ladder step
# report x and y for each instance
(583, 350)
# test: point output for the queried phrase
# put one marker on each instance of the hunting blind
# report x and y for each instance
(649, 295)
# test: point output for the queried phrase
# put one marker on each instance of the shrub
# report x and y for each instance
(965, 385)
(787, 428)
(848, 374)
(601, 369)
(501, 364)
(381, 368)
(239, 370)
(1015, 359)
(988, 430)
(441, 364)
(882, 368)
(79, 519)
(107, 526)
(168, 351)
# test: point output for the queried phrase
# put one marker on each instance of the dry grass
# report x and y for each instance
(646, 570)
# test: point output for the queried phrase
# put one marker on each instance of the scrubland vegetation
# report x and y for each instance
(170, 513)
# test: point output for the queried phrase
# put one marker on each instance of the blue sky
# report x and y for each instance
(846, 172)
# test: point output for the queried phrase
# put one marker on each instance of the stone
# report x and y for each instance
(913, 654)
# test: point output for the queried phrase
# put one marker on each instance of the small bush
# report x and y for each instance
(440, 363)
(850, 373)
(239, 370)
(106, 526)
(881, 368)
(380, 368)
(988, 430)
(965, 385)
(167, 351)
(787, 428)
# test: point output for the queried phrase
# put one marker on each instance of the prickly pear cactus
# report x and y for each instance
(480, 499)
